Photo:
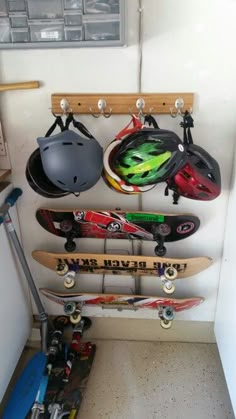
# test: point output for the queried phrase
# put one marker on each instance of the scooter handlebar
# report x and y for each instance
(14, 195)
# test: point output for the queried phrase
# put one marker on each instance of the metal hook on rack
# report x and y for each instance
(101, 106)
(179, 104)
(65, 106)
(140, 105)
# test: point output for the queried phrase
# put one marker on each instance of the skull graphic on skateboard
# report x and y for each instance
(117, 224)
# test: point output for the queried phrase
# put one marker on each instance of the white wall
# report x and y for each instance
(188, 47)
(15, 310)
(225, 329)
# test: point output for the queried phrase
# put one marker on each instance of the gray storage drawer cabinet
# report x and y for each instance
(61, 23)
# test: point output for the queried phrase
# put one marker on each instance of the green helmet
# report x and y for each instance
(149, 156)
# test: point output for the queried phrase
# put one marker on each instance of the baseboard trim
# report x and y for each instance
(143, 330)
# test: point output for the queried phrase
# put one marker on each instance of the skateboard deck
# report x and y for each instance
(92, 263)
(86, 223)
(166, 307)
(69, 396)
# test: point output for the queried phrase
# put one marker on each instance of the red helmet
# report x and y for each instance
(200, 178)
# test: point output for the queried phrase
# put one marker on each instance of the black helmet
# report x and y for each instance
(72, 163)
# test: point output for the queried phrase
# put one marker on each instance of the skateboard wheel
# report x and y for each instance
(69, 281)
(113, 227)
(70, 246)
(66, 226)
(61, 321)
(169, 288)
(168, 313)
(171, 273)
(75, 318)
(69, 307)
(166, 324)
(79, 215)
(164, 229)
(62, 269)
(160, 251)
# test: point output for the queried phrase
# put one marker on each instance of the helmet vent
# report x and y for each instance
(46, 148)
(81, 144)
(155, 152)
(145, 174)
(186, 174)
(67, 143)
(137, 159)
(59, 181)
(75, 179)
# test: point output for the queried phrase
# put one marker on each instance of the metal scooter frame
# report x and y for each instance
(5, 218)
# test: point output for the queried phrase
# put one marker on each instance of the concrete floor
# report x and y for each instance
(152, 380)
(147, 380)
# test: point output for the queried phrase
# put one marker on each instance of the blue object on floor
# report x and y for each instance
(26, 388)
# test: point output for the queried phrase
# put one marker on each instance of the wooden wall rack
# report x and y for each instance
(120, 103)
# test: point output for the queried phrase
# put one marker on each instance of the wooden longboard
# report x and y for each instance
(93, 263)
(124, 301)
(116, 224)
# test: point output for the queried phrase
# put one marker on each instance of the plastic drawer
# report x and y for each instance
(16, 6)
(73, 4)
(74, 33)
(18, 20)
(101, 30)
(103, 6)
(4, 30)
(46, 32)
(20, 35)
(45, 9)
(73, 19)
(3, 8)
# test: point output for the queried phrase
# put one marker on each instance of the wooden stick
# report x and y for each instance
(21, 85)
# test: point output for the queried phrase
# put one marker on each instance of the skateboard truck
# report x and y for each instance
(74, 311)
(71, 230)
(69, 272)
(167, 275)
(159, 233)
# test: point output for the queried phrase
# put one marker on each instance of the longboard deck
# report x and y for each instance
(114, 224)
(122, 300)
(93, 263)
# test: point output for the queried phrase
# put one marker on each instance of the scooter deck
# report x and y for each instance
(25, 389)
